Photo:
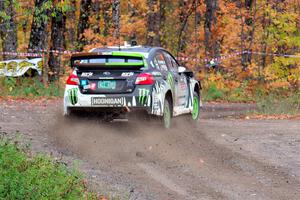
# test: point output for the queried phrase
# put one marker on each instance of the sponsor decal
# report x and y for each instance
(107, 101)
(87, 74)
(93, 86)
(85, 87)
(158, 96)
(126, 74)
(143, 96)
(155, 73)
(106, 73)
(106, 78)
(73, 96)
(170, 81)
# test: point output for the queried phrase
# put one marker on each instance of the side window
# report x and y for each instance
(168, 61)
(161, 61)
(173, 66)
(155, 62)
(174, 63)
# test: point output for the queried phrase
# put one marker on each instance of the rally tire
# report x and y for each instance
(196, 107)
(167, 114)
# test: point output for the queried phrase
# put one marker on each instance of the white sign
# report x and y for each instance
(19, 67)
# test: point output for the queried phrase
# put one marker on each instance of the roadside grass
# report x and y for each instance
(277, 104)
(269, 102)
(240, 94)
(31, 88)
(23, 176)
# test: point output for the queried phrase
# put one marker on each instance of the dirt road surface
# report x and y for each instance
(220, 157)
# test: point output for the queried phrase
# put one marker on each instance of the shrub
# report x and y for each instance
(212, 93)
(23, 177)
(276, 103)
(26, 87)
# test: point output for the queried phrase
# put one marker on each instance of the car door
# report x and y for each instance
(180, 82)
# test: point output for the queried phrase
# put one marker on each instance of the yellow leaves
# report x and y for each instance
(253, 70)
(218, 80)
(151, 34)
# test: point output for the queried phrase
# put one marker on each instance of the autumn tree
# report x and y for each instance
(83, 23)
(39, 34)
(8, 29)
(96, 8)
(186, 9)
(57, 41)
(71, 25)
(212, 46)
(154, 20)
(248, 12)
(116, 18)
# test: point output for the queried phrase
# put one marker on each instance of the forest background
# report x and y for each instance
(254, 43)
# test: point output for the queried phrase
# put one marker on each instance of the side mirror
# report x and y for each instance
(181, 69)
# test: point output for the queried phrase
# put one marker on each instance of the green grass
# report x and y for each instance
(26, 177)
(24, 87)
(212, 93)
(272, 102)
(275, 104)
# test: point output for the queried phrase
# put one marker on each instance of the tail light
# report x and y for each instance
(73, 80)
(144, 79)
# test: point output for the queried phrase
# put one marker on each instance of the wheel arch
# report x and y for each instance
(169, 96)
(197, 88)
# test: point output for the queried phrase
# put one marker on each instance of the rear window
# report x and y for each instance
(104, 60)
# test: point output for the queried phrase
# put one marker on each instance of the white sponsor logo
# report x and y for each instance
(86, 87)
(126, 74)
(107, 101)
(86, 74)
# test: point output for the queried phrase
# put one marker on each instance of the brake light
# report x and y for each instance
(144, 79)
(73, 80)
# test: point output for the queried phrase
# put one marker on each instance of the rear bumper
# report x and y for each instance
(139, 99)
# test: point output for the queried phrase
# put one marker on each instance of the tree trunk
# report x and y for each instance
(265, 36)
(57, 43)
(153, 23)
(96, 11)
(132, 15)
(85, 10)
(71, 27)
(247, 33)
(116, 18)
(107, 19)
(184, 14)
(183, 19)
(211, 45)
(39, 36)
(8, 30)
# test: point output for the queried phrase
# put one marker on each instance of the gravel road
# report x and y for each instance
(221, 157)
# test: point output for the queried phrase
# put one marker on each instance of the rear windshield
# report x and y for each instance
(104, 60)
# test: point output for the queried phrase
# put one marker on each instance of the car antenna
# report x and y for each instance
(119, 43)
(119, 38)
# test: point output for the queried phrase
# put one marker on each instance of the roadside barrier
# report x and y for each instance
(13, 67)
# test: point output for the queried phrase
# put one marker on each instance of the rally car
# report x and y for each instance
(117, 80)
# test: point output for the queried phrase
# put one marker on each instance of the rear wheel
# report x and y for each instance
(196, 107)
(167, 114)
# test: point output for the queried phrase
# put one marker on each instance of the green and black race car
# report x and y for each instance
(115, 80)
